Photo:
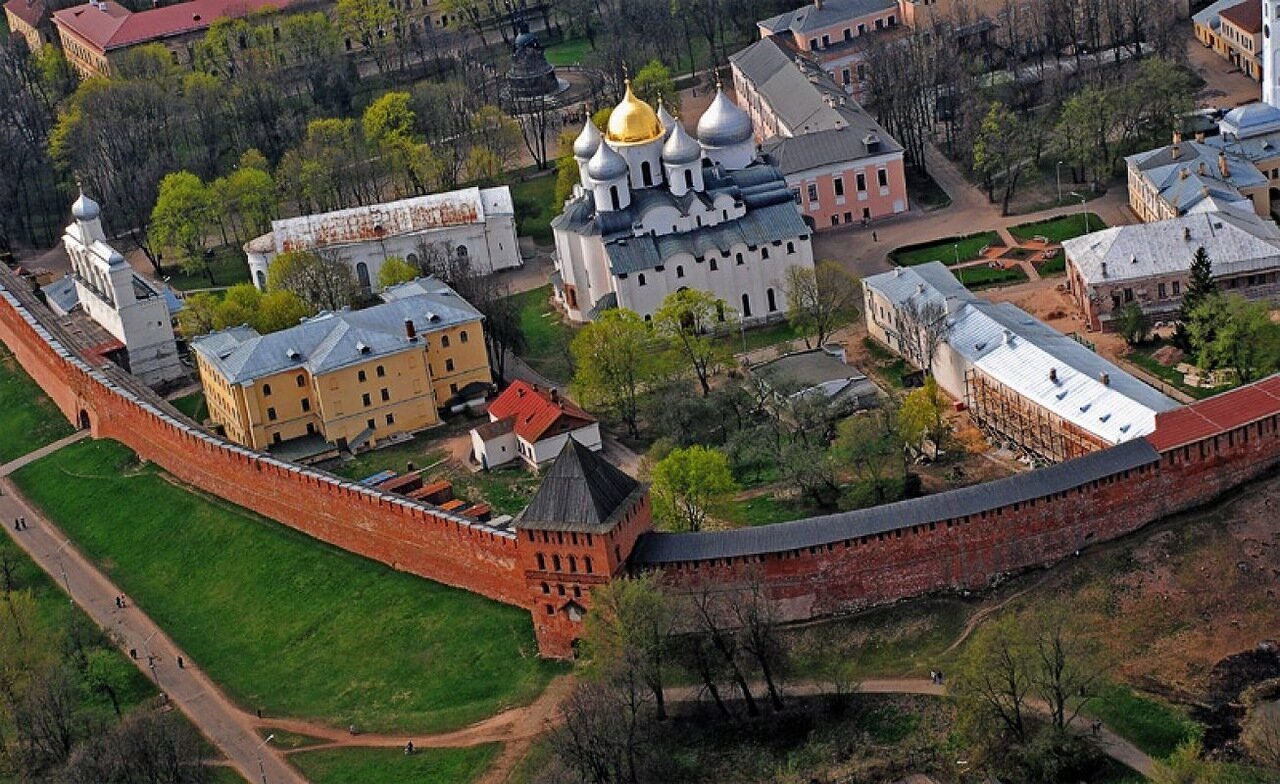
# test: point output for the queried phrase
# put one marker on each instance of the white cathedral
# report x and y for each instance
(656, 211)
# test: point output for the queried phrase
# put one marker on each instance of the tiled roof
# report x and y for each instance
(580, 492)
(331, 341)
(1228, 410)
(117, 27)
(33, 12)
(537, 413)
(1236, 242)
(1247, 16)
(658, 548)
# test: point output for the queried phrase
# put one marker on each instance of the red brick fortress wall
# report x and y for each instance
(404, 534)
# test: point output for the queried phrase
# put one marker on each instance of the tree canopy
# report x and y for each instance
(689, 486)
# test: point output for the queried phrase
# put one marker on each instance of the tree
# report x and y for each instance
(1261, 734)
(322, 283)
(151, 747)
(631, 625)
(820, 299)
(925, 328)
(920, 416)
(246, 197)
(690, 485)
(868, 443)
(279, 310)
(566, 168)
(374, 24)
(1200, 286)
(242, 304)
(1000, 151)
(654, 82)
(1229, 332)
(396, 270)
(1131, 323)
(686, 318)
(614, 360)
(182, 219)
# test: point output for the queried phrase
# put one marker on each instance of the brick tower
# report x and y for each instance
(576, 534)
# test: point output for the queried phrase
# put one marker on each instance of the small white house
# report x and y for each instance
(532, 424)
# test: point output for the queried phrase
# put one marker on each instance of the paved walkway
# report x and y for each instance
(189, 688)
(31, 457)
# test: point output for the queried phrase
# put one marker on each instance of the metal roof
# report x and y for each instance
(581, 491)
(1217, 414)
(760, 226)
(330, 341)
(862, 139)
(658, 548)
(1236, 242)
(829, 13)
(1194, 175)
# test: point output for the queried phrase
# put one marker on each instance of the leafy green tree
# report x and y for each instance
(1200, 283)
(1000, 152)
(322, 283)
(654, 81)
(614, 360)
(242, 304)
(631, 626)
(395, 270)
(920, 416)
(566, 167)
(819, 300)
(1131, 323)
(1229, 332)
(246, 201)
(868, 444)
(690, 485)
(373, 23)
(686, 318)
(279, 310)
(182, 219)
(1083, 134)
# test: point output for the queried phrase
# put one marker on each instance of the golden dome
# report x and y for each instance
(633, 121)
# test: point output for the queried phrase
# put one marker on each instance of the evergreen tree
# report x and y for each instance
(1200, 287)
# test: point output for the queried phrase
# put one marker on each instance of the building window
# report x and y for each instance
(275, 438)
(813, 44)
(391, 419)
(764, 253)
(266, 390)
(361, 377)
(448, 365)
(366, 399)
(453, 389)
(845, 76)
(586, 563)
(306, 404)
(813, 191)
(773, 305)
(713, 265)
(879, 24)
(795, 192)
(551, 610)
(1177, 288)
(542, 563)
(746, 305)
(555, 563)
(369, 423)
(271, 414)
(882, 176)
(1160, 289)
(301, 380)
(791, 248)
(848, 34)
(546, 588)
(444, 341)
(838, 182)
(679, 271)
(386, 394)
(861, 180)
(862, 29)
(640, 279)
(462, 336)
(1128, 295)
(835, 220)
(646, 173)
(826, 40)
(738, 258)
(380, 371)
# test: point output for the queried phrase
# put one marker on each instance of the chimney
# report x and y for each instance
(1105, 378)
(1183, 173)
(1175, 151)
(1186, 233)
(1222, 164)
(817, 4)
(1177, 137)
(1200, 136)
(1008, 337)
(409, 331)
(1203, 169)
(1104, 269)
(1053, 374)
(555, 395)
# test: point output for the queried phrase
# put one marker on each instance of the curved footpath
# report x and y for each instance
(237, 734)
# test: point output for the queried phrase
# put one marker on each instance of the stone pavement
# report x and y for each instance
(188, 688)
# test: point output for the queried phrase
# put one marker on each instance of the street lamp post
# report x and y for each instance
(66, 582)
(1083, 212)
(151, 660)
(1058, 171)
(262, 770)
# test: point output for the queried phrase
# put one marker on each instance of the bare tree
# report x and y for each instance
(758, 633)
(925, 327)
(820, 299)
(604, 735)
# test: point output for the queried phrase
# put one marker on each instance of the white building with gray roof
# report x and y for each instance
(1026, 384)
(656, 210)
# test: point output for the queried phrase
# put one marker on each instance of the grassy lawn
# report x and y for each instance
(229, 268)
(1144, 722)
(924, 192)
(888, 366)
(547, 335)
(192, 405)
(392, 766)
(1141, 356)
(422, 451)
(222, 774)
(765, 510)
(284, 739)
(284, 622)
(984, 277)
(1054, 266)
(1059, 229)
(760, 337)
(568, 52)
(30, 419)
(944, 250)
(535, 205)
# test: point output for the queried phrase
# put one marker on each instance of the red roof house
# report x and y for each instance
(532, 423)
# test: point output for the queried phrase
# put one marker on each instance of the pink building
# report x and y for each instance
(837, 160)
(832, 33)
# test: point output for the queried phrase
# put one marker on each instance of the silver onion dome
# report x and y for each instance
(723, 124)
(680, 147)
(606, 164)
(587, 142)
(85, 209)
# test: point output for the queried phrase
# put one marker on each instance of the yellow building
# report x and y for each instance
(347, 379)
(31, 20)
(1233, 30)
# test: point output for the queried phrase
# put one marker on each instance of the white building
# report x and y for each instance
(656, 211)
(1024, 382)
(131, 309)
(532, 424)
(478, 224)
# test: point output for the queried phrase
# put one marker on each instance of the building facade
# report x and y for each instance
(133, 310)
(473, 224)
(1025, 384)
(347, 379)
(841, 165)
(656, 211)
(1150, 264)
(31, 20)
(1233, 30)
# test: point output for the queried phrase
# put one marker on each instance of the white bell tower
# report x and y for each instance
(1270, 58)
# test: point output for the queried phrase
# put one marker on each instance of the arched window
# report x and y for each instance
(412, 258)
(688, 178)
(746, 305)
(301, 380)
(679, 271)
(266, 390)
(646, 173)
(772, 305)
(362, 275)
(444, 341)
(461, 251)
(640, 279)
(462, 336)
(613, 197)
